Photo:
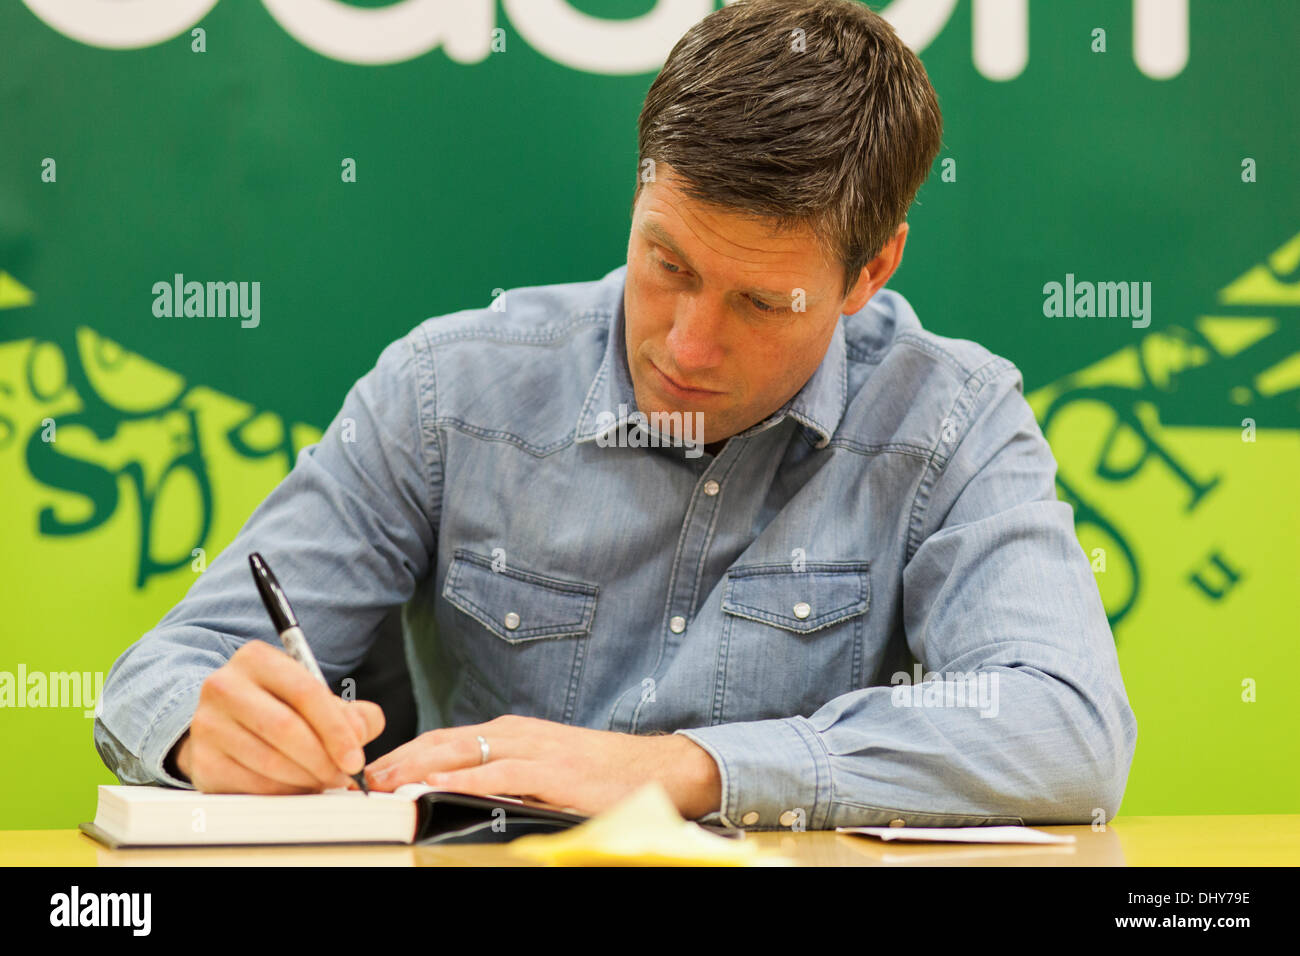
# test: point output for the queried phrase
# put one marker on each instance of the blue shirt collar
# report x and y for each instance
(818, 406)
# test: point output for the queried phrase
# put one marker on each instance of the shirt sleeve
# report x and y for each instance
(349, 532)
(1022, 716)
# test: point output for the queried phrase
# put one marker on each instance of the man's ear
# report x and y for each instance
(876, 272)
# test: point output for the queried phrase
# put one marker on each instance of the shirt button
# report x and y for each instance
(711, 487)
(750, 818)
(802, 610)
(788, 818)
(898, 822)
(677, 624)
(512, 621)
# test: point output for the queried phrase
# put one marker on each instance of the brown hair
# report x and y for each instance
(798, 112)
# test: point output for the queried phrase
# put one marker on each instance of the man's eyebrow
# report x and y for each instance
(656, 233)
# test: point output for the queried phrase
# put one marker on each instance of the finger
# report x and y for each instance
(513, 777)
(375, 719)
(265, 715)
(456, 752)
(215, 772)
(410, 748)
(354, 717)
(252, 752)
(288, 680)
(366, 717)
(392, 758)
(450, 748)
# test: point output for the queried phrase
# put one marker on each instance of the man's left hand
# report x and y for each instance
(588, 770)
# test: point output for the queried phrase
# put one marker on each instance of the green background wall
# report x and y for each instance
(479, 169)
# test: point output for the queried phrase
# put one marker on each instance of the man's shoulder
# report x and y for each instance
(524, 316)
(906, 382)
(887, 331)
(519, 368)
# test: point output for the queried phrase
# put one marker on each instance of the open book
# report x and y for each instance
(140, 816)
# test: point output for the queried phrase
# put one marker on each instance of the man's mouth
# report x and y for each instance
(680, 389)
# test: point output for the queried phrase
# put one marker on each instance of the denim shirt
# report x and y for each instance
(775, 602)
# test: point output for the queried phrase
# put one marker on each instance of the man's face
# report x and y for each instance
(711, 321)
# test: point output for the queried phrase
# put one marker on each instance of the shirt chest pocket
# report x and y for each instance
(521, 638)
(792, 639)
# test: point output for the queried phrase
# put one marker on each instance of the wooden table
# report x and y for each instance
(1221, 840)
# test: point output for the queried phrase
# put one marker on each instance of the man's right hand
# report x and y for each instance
(265, 725)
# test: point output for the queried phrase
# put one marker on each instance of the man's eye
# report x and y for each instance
(758, 304)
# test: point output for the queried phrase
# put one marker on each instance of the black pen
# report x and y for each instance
(286, 625)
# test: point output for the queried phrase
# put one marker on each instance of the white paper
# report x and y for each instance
(961, 834)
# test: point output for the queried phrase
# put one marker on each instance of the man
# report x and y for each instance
(591, 600)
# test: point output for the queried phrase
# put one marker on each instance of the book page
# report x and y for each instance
(961, 834)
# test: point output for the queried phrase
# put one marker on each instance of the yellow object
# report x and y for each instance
(644, 830)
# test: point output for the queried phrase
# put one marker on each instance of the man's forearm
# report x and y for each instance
(1056, 753)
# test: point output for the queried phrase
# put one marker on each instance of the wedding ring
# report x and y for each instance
(483, 749)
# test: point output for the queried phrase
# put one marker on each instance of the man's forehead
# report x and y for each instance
(671, 193)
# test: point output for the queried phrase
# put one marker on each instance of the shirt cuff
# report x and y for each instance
(776, 774)
(167, 728)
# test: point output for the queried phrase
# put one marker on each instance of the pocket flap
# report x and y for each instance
(823, 593)
(518, 605)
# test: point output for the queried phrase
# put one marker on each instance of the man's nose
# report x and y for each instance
(694, 340)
